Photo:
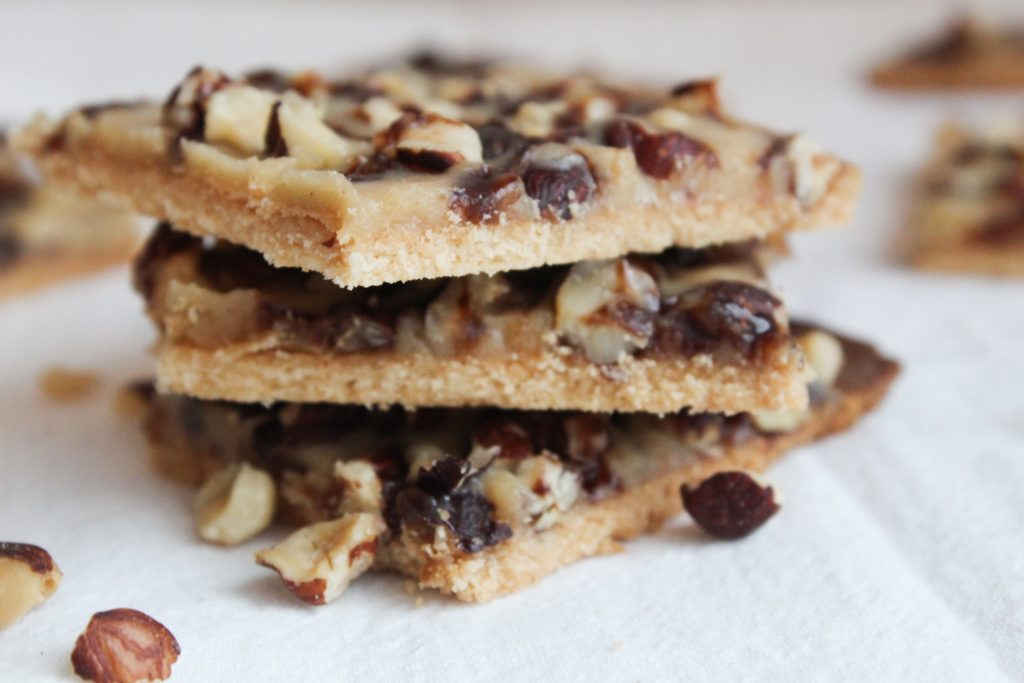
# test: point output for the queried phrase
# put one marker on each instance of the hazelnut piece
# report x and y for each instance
(318, 561)
(235, 504)
(28, 576)
(124, 646)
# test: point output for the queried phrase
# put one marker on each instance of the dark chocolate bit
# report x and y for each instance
(38, 560)
(481, 195)
(960, 40)
(659, 155)
(700, 96)
(188, 118)
(438, 497)
(508, 436)
(268, 79)
(558, 185)
(729, 505)
(163, 243)
(438, 64)
(274, 144)
(705, 318)
(11, 249)
(1005, 230)
(498, 141)
(372, 167)
(351, 332)
(633, 319)
(776, 148)
(427, 160)
(353, 90)
(91, 111)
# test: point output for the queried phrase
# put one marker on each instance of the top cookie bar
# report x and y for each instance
(437, 168)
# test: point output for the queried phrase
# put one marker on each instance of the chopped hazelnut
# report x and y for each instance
(536, 493)
(362, 485)
(235, 504)
(554, 489)
(28, 576)
(310, 141)
(779, 420)
(440, 137)
(237, 116)
(824, 353)
(124, 646)
(319, 561)
(537, 119)
(606, 308)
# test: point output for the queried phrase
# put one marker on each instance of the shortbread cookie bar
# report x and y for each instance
(435, 169)
(657, 333)
(478, 503)
(971, 54)
(47, 235)
(970, 210)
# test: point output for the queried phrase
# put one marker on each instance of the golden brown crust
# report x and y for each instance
(425, 245)
(549, 382)
(599, 527)
(36, 271)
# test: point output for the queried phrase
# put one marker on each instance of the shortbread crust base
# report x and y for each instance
(548, 381)
(596, 528)
(419, 245)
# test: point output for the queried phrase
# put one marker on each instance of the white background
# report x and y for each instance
(898, 555)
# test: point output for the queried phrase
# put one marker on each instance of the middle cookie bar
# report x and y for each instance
(654, 333)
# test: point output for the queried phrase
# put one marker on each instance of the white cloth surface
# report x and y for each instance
(899, 551)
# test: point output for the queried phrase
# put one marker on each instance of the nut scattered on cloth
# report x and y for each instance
(66, 384)
(319, 561)
(124, 646)
(235, 504)
(729, 505)
(28, 576)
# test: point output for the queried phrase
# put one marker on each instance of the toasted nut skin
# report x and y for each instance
(318, 561)
(28, 576)
(235, 504)
(124, 646)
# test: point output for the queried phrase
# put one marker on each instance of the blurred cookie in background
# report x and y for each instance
(969, 213)
(971, 54)
(48, 234)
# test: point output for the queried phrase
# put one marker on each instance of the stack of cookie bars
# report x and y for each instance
(465, 321)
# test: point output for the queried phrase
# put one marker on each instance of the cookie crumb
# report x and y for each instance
(66, 384)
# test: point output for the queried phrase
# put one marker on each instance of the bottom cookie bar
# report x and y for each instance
(473, 502)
